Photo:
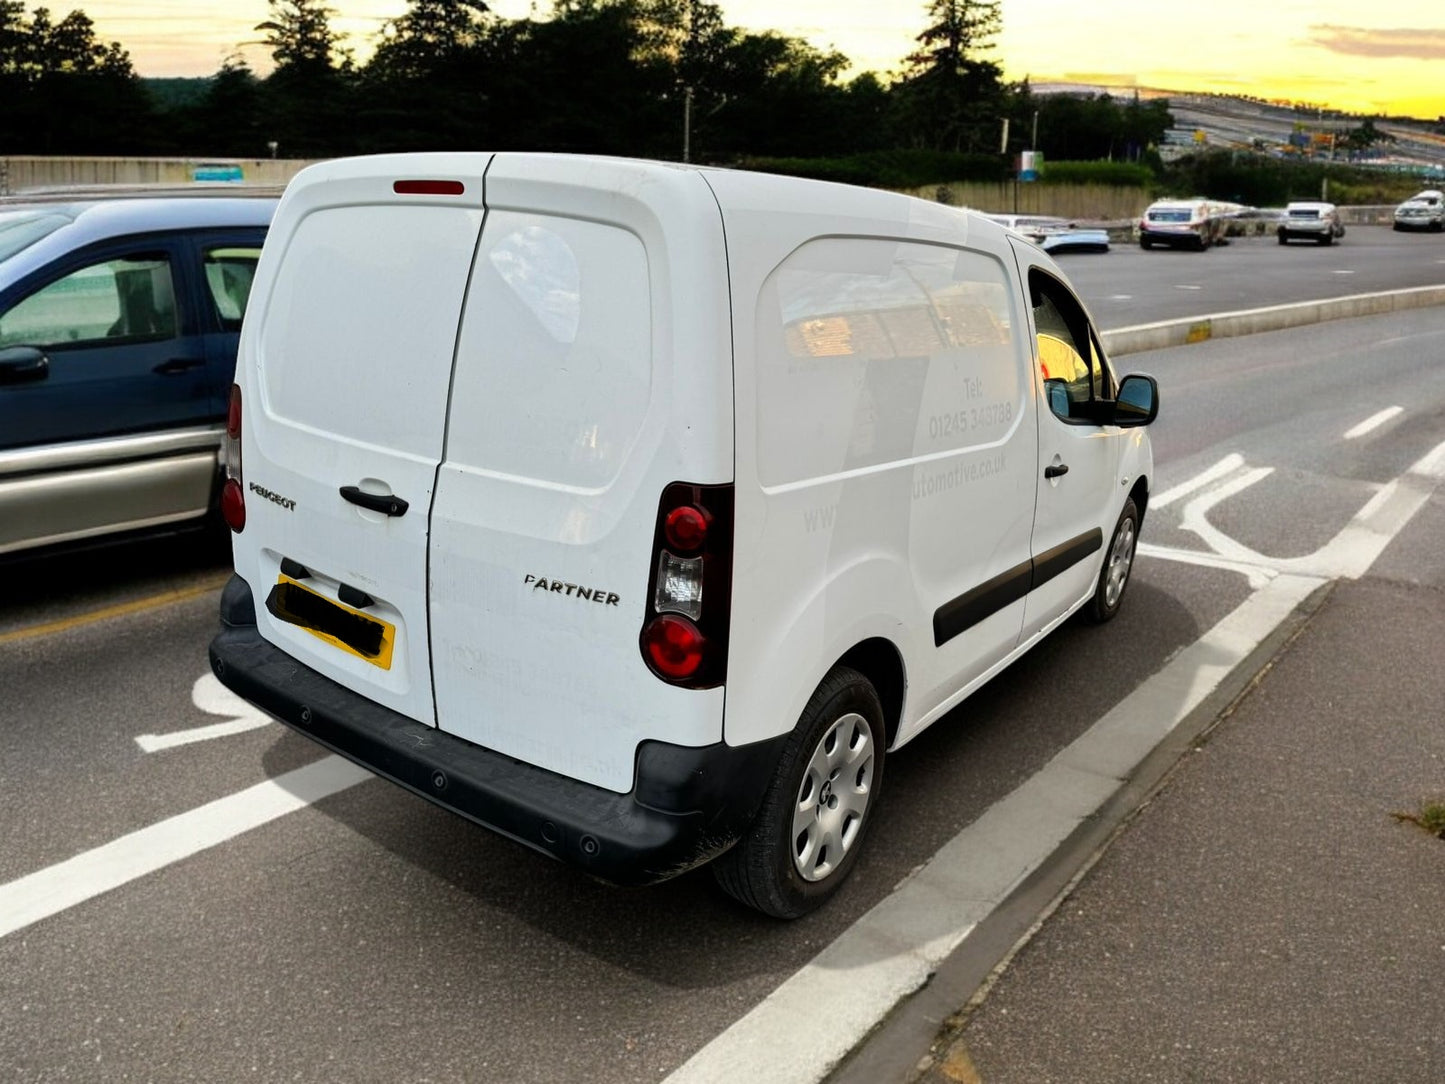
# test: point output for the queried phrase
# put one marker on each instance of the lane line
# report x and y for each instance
(888, 953)
(152, 602)
(1228, 465)
(56, 888)
(1373, 422)
(893, 949)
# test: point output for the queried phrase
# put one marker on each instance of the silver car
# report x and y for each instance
(1423, 211)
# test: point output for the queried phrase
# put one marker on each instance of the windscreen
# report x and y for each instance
(21, 229)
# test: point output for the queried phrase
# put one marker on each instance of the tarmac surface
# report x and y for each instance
(1269, 913)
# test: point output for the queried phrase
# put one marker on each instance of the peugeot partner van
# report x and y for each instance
(639, 512)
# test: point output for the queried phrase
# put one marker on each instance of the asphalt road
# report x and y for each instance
(369, 936)
(1128, 285)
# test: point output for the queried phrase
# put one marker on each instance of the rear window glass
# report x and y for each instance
(229, 272)
(1304, 212)
(361, 322)
(1169, 216)
(554, 364)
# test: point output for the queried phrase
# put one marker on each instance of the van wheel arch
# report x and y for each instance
(880, 661)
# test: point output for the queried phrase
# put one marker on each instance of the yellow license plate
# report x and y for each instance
(352, 631)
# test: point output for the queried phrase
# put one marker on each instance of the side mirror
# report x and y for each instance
(23, 365)
(1137, 402)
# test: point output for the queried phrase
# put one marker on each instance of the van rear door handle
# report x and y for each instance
(384, 503)
(1056, 471)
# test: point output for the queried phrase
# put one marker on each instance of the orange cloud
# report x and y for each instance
(1364, 41)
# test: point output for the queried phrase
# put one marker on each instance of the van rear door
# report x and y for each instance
(593, 369)
(346, 359)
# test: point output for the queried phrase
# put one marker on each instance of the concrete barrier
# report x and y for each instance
(1167, 333)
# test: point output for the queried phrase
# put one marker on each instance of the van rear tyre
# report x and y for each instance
(807, 835)
(1118, 564)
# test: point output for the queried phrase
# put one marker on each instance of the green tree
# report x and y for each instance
(307, 98)
(950, 98)
(64, 91)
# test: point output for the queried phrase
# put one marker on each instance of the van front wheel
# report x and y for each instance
(1118, 564)
(807, 835)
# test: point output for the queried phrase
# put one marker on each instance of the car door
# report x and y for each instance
(103, 388)
(112, 343)
(1078, 494)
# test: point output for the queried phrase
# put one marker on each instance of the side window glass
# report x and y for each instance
(229, 273)
(1070, 361)
(126, 299)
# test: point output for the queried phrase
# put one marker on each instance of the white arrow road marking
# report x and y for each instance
(1226, 466)
(1373, 422)
(893, 949)
(213, 698)
(54, 889)
(1348, 555)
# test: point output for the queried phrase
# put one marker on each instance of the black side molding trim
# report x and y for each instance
(1052, 562)
(973, 606)
(979, 603)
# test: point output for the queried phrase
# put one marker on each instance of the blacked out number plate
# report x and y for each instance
(346, 628)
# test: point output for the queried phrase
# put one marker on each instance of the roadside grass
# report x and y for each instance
(1431, 818)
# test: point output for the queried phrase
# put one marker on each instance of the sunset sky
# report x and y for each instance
(1369, 58)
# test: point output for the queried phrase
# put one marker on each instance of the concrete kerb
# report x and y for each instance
(1168, 333)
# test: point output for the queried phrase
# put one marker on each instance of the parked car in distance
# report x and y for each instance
(1054, 235)
(1184, 223)
(119, 320)
(1422, 211)
(1310, 220)
(639, 511)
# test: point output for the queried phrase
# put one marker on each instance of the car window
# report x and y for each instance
(130, 298)
(229, 273)
(1070, 362)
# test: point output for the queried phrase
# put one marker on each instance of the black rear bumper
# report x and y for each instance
(687, 805)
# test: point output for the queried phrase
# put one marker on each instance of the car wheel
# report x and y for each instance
(1118, 564)
(1436, 226)
(1145, 243)
(807, 835)
(1283, 237)
(1327, 239)
(1397, 227)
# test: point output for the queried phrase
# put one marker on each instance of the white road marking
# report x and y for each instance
(1341, 271)
(1183, 287)
(1228, 465)
(1130, 297)
(56, 888)
(213, 698)
(891, 951)
(1373, 422)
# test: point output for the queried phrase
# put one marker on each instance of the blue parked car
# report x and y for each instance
(119, 321)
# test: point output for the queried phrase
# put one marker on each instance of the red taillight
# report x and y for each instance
(233, 414)
(685, 628)
(233, 505)
(674, 646)
(428, 188)
(233, 496)
(685, 528)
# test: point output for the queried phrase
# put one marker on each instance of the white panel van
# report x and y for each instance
(637, 511)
